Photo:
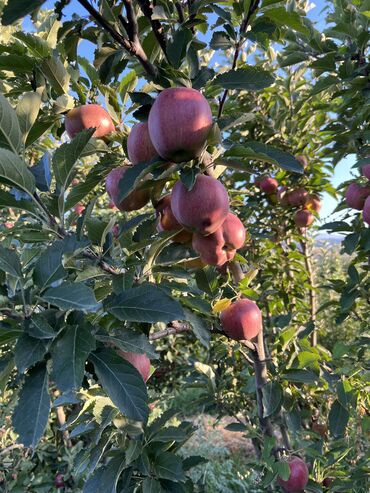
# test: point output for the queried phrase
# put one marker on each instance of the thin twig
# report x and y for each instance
(156, 25)
(243, 27)
(311, 290)
(180, 12)
(131, 45)
(174, 327)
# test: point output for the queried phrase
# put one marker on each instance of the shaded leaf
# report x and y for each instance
(27, 111)
(338, 419)
(16, 9)
(130, 341)
(9, 262)
(28, 352)
(14, 172)
(249, 77)
(72, 296)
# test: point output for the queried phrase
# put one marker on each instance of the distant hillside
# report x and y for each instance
(328, 238)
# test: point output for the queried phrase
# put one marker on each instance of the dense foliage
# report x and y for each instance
(82, 283)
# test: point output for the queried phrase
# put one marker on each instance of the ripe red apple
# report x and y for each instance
(303, 218)
(327, 482)
(134, 201)
(241, 320)
(313, 203)
(140, 361)
(303, 160)
(59, 481)
(220, 246)
(168, 222)
(298, 197)
(356, 196)
(268, 185)
(203, 208)
(298, 476)
(139, 146)
(179, 123)
(79, 208)
(283, 196)
(88, 116)
(366, 211)
(366, 171)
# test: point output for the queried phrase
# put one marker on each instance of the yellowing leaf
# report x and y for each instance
(221, 305)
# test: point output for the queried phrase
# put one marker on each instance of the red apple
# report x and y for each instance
(179, 123)
(268, 185)
(168, 222)
(298, 197)
(366, 211)
(303, 160)
(220, 246)
(298, 478)
(203, 208)
(320, 428)
(366, 171)
(79, 208)
(283, 196)
(88, 116)
(356, 196)
(139, 146)
(134, 201)
(327, 482)
(241, 320)
(140, 361)
(303, 218)
(59, 481)
(313, 203)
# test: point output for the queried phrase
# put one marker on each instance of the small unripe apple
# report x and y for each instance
(298, 197)
(268, 185)
(139, 146)
(168, 222)
(303, 218)
(303, 160)
(203, 208)
(366, 171)
(59, 481)
(298, 478)
(140, 361)
(88, 116)
(79, 208)
(366, 211)
(241, 320)
(134, 201)
(220, 246)
(283, 196)
(313, 203)
(356, 196)
(179, 123)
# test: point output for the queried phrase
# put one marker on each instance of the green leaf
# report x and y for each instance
(272, 398)
(40, 328)
(287, 19)
(105, 479)
(220, 41)
(258, 151)
(170, 434)
(249, 78)
(27, 111)
(30, 417)
(14, 172)
(338, 419)
(79, 192)
(200, 328)
(9, 331)
(10, 132)
(146, 303)
(56, 74)
(130, 341)
(67, 155)
(16, 9)
(122, 382)
(35, 44)
(49, 268)
(6, 368)
(177, 47)
(151, 485)
(131, 179)
(28, 352)
(10, 263)
(72, 296)
(8, 200)
(69, 353)
(300, 376)
(168, 466)
(18, 64)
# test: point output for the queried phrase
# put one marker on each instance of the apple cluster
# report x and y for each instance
(299, 197)
(358, 196)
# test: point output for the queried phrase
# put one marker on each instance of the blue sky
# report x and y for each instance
(343, 169)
